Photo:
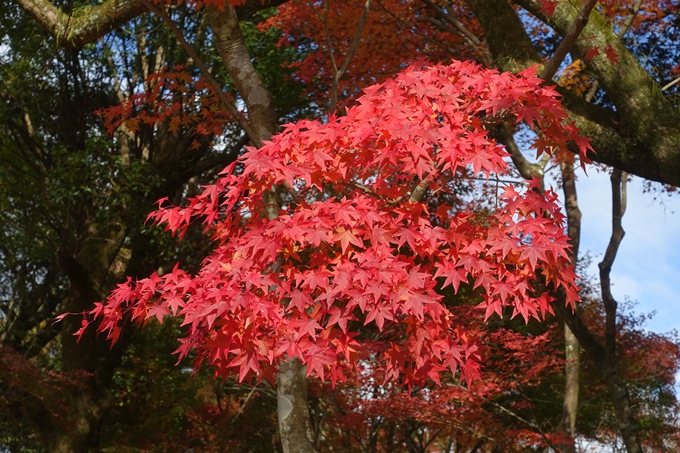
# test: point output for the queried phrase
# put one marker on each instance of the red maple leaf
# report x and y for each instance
(548, 7)
(592, 53)
(612, 54)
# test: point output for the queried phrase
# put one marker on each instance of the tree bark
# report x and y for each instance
(232, 49)
(647, 122)
(617, 388)
(646, 140)
(291, 397)
(571, 386)
(92, 358)
(642, 137)
(87, 24)
(293, 412)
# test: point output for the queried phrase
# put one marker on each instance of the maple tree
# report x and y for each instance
(354, 242)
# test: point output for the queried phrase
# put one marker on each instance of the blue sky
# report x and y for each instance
(647, 267)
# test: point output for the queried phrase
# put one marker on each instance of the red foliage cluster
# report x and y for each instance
(173, 97)
(396, 34)
(350, 247)
(490, 413)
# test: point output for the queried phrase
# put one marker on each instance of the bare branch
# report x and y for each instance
(350, 53)
(338, 72)
(420, 190)
(669, 85)
(415, 30)
(618, 183)
(327, 33)
(568, 41)
(470, 37)
(527, 169)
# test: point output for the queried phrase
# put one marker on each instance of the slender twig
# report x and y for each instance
(415, 30)
(357, 37)
(470, 37)
(114, 72)
(245, 125)
(667, 86)
(327, 33)
(568, 41)
(245, 403)
(338, 72)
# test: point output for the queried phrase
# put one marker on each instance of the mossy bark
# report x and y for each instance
(643, 137)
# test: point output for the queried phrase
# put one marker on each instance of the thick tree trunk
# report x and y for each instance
(234, 53)
(92, 360)
(571, 387)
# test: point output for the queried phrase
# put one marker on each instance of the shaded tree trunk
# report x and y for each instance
(571, 345)
(91, 359)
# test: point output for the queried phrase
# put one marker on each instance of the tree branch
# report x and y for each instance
(527, 169)
(648, 124)
(470, 37)
(626, 26)
(350, 53)
(92, 22)
(338, 72)
(87, 24)
(618, 183)
(647, 144)
(568, 41)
